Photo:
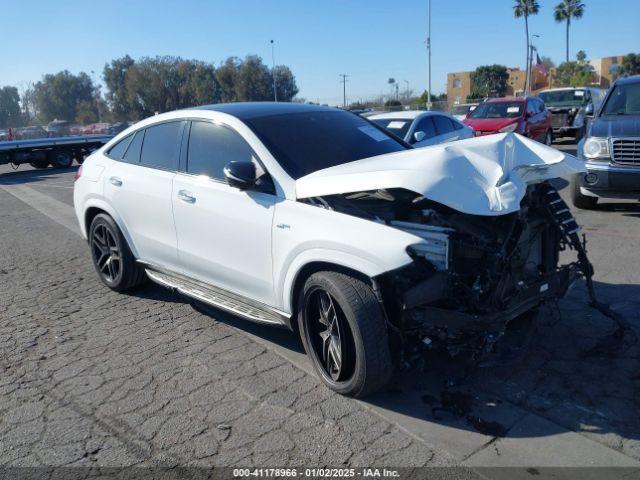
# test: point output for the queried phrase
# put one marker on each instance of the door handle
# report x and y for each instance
(115, 181)
(186, 196)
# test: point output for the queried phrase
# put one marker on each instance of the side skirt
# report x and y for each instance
(217, 297)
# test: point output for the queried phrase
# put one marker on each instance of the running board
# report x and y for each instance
(216, 297)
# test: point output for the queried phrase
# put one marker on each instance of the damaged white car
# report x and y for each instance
(316, 219)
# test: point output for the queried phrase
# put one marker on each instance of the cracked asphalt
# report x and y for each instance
(89, 377)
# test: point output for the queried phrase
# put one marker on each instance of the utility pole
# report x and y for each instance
(344, 89)
(273, 73)
(406, 93)
(429, 62)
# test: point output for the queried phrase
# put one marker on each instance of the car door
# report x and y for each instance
(426, 126)
(224, 234)
(534, 120)
(139, 185)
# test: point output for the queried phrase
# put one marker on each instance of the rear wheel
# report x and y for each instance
(579, 200)
(39, 164)
(344, 333)
(60, 159)
(112, 257)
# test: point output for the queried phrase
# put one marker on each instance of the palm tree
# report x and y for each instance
(524, 8)
(565, 11)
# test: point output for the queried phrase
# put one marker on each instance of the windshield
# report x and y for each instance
(397, 126)
(309, 141)
(498, 110)
(623, 100)
(563, 98)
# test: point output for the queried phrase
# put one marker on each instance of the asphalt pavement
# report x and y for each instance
(91, 377)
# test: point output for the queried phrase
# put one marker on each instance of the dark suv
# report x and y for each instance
(611, 149)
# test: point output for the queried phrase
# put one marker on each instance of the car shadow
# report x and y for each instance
(564, 363)
(18, 177)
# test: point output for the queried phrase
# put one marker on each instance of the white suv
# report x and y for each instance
(314, 218)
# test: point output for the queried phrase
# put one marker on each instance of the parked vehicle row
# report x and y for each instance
(319, 220)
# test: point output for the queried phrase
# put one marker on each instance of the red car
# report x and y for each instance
(524, 115)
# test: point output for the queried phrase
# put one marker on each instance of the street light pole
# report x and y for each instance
(429, 62)
(532, 49)
(273, 72)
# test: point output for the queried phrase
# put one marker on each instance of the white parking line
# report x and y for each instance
(56, 210)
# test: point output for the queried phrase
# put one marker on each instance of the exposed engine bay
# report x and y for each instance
(473, 273)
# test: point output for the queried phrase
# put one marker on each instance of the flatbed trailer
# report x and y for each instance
(58, 152)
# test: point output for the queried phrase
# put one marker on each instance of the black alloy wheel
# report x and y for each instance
(330, 336)
(106, 253)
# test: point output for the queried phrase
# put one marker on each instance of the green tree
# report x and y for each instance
(10, 112)
(254, 81)
(489, 81)
(525, 8)
(547, 63)
(574, 74)
(564, 12)
(114, 75)
(285, 83)
(581, 56)
(59, 95)
(631, 64)
(227, 77)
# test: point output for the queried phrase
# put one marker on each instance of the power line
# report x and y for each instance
(344, 89)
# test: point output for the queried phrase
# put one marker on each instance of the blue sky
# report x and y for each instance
(371, 40)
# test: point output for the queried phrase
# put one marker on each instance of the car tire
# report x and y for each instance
(60, 159)
(548, 138)
(40, 164)
(112, 257)
(352, 329)
(579, 200)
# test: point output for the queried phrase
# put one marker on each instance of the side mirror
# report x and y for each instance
(419, 136)
(241, 175)
(588, 110)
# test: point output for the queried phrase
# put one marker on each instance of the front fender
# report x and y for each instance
(323, 255)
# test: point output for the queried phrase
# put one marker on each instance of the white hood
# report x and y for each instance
(480, 176)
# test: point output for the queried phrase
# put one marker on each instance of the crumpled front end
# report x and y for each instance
(482, 272)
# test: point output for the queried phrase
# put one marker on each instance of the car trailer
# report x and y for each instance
(57, 152)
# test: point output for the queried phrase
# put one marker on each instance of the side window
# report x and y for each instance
(426, 125)
(456, 124)
(539, 106)
(161, 146)
(212, 147)
(117, 151)
(443, 124)
(531, 109)
(132, 154)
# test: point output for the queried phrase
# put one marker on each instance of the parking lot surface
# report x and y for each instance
(91, 377)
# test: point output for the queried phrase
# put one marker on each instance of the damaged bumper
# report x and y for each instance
(455, 323)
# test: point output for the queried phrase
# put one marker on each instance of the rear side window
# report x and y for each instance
(117, 151)
(426, 125)
(443, 124)
(212, 147)
(161, 146)
(456, 125)
(132, 154)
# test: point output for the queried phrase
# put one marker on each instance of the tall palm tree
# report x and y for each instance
(524, 8)
(565, 11)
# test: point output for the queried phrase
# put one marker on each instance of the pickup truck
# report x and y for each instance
(58, 152)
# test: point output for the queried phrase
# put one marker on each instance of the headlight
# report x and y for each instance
(509, 128)
(595, 147)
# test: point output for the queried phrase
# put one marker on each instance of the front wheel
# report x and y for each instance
(39, 164)
(112, 257)
(344, 333)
